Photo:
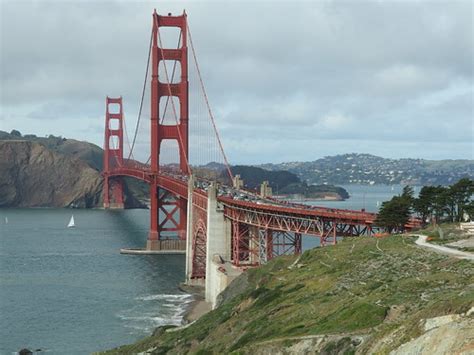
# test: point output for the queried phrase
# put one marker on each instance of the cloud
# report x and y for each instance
(287, 80)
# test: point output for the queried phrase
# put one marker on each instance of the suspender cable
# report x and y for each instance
(130, 154)
(207, 103)
(143, 96)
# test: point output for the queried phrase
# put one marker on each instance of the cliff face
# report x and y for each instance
(33, 176)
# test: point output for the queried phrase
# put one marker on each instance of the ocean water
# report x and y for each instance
(368, 197)
(70, 291)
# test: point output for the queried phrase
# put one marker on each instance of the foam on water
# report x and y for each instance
(152, 311)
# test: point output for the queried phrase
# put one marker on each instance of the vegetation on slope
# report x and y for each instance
(286, 183)
(363, 294)
(434, 203)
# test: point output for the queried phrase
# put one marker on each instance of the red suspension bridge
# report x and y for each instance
(187, 210)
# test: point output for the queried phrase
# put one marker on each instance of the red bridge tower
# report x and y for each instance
(168, 212)
(113, 152)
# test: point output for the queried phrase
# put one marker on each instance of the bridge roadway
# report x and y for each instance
(249, 208)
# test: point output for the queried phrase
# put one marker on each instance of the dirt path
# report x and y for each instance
(421, 241)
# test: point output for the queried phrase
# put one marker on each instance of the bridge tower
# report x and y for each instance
(113, 152)
(168, 212)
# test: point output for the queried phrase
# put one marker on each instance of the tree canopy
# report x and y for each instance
(434, 203)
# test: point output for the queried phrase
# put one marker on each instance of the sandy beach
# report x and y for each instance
(198, 307)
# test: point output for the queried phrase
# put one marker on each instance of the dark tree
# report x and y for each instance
(423, 205)
(460, 195)
(394, 214)
(469, 209)
(408, 193)
(15, 133)
(448, 203)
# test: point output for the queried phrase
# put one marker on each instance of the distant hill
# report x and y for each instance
(369, 169)
(287, 183)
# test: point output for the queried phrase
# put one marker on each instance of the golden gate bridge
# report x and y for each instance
(205, 208)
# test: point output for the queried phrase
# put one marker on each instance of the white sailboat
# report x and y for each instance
(6, 220)
(71, 222)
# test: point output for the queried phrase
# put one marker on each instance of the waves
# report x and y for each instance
(152, 311)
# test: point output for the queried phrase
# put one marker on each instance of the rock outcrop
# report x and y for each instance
(33, 176)
(451, 334)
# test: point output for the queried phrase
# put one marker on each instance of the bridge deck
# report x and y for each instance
(178, 185)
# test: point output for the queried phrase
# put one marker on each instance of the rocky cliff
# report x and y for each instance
(33, 176)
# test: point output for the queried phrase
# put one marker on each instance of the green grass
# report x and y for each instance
(346, 289)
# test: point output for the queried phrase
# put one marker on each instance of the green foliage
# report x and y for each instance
(445, 203)
(439, 203)
(394, 214)
(15, 133)
(408, 193)
(460, 197)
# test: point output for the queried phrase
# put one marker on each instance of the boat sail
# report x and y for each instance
(6, 220)
(71, 222)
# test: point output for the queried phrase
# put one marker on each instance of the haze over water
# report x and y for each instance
(70, 291)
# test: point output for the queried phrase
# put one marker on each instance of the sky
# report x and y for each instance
(286, 80)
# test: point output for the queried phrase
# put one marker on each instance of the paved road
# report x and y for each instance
(421, 241)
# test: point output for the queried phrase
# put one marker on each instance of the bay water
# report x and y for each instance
(70, 291)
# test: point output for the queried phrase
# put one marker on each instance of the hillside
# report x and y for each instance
(34, 176)
(366, 168)
(52, 172)
(88, 152)
(364, 295)
(285, 183)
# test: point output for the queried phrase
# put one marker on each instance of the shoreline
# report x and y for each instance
(198, 307)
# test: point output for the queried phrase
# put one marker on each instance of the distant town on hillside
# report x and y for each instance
(370, 169)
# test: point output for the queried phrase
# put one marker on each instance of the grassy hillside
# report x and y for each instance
(363, 295)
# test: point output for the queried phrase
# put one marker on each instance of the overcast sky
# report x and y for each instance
(287, 81)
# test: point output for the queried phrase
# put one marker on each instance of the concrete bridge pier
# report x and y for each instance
(219, 270)
(190, 236)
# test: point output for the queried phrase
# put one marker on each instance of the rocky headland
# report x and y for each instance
(52, 172)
